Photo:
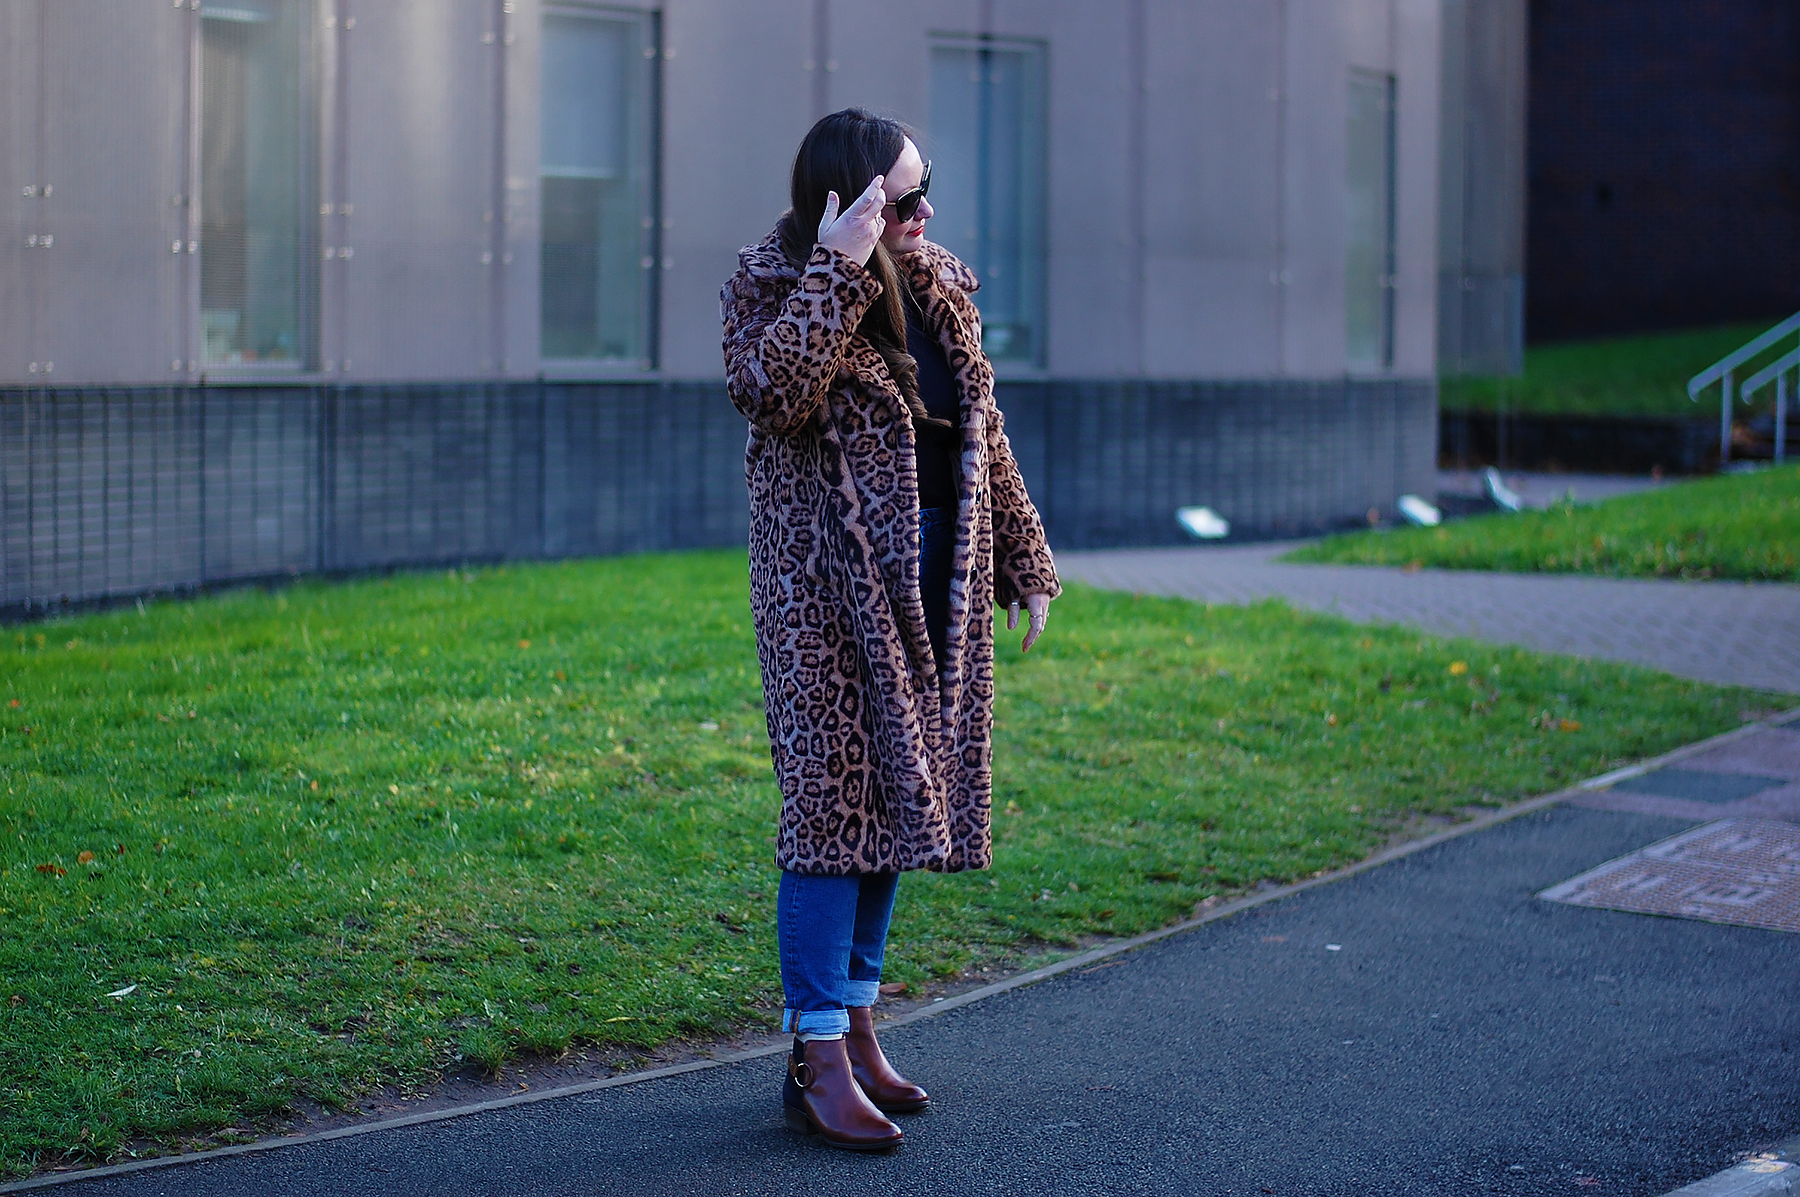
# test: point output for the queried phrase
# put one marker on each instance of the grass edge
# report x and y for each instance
(1222, 910)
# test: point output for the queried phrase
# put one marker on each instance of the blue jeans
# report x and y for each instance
(937, 556)
(833, 933)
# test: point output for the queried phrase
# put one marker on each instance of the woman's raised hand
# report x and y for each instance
(855, 233)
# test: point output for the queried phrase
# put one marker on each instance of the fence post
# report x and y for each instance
(1725, 422)
(1781, 397)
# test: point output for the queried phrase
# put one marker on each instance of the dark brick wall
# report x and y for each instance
(1587, 444)
(1108, 462)
(1664, 165)
(118, 491)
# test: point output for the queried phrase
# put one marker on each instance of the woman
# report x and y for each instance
(886, 514)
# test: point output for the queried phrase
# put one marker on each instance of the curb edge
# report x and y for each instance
(1781, 1183)
(1772, 1173)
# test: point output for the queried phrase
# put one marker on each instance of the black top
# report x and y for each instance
(939, 447)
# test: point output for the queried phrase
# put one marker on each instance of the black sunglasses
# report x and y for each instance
(907, 202)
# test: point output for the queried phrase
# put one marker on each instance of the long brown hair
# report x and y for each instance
(842, 153)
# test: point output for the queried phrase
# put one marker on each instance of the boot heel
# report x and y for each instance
(831, 1105)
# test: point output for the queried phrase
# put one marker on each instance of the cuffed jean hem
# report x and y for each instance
(833, 935)
(816, 1022)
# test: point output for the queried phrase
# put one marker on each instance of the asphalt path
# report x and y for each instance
(1464, 1037)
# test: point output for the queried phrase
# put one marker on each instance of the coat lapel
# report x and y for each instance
(942, 284)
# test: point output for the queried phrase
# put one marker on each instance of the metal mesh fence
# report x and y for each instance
(116, 491)
(99, 496)
(108, 492)
(1108, 462)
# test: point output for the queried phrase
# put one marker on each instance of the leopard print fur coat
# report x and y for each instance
(884, 765)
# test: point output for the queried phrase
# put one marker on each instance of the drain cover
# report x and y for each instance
(1745, 872)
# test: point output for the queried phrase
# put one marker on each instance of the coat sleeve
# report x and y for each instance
(783, 344)
(1022, 561)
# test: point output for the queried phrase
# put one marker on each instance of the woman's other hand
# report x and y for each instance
(1037, 608)
(855, 233)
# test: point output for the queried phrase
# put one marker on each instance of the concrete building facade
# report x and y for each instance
(279, 274)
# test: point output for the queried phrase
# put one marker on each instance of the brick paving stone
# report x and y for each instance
(1781, 802)
(1632, 802)
(1732, 633)
(1772, 752)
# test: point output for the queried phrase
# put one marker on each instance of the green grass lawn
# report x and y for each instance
(1626, 376)
(1742, 526)
(347, 835)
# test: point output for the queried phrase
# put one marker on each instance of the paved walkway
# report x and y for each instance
(1488, 1041)
(1734, 633)
(1428, 1026)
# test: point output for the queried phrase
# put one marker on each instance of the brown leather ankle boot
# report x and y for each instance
(822, 1097)
(891, 1092)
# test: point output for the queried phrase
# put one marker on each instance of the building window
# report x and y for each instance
(988, 117)
(598, 176)
(258, 189)
(1369, 223)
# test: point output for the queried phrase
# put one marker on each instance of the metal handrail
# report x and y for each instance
(1738, 357)
(1721, 370)
(1768, 374)
(1777, 372)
